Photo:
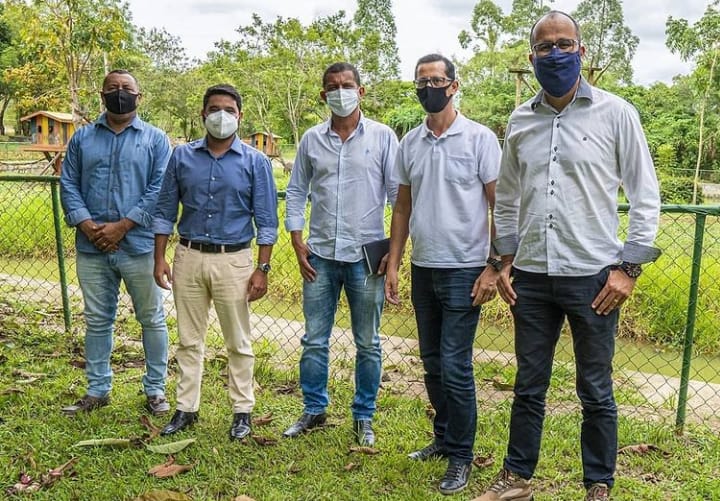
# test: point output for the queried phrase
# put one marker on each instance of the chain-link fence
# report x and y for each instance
(667, 364)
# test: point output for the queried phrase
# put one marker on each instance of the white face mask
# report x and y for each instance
(221, 124)
(342, 102)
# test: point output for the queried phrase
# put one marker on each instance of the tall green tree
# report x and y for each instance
(377, 53)
(700, 43)
(609, 43)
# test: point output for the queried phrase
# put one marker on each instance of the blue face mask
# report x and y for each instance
(558, 71)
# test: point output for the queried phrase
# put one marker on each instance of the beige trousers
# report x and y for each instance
(198, 279)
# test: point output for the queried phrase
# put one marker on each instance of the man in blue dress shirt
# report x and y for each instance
(224, 187)
(346, 164)
(110, 181)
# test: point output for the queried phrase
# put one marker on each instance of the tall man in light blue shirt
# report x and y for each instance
(110, 181)
(227, 192)
(566, 153)
(446, 168)
(346, 165)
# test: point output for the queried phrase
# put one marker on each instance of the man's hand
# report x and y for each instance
(92, 230)
(391, 287)
(617, 289)
(504, 285)
(302, 252)
(257, 285)
(485, 286)
(163, 274)
(109, 234)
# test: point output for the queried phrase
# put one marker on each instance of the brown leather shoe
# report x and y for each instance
(86, 404)
(157, 405)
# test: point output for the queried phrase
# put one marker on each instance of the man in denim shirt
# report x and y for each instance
(110, 181)
(224, 187)
(346, 163)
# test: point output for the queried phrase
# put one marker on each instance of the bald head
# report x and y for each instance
(557, 18)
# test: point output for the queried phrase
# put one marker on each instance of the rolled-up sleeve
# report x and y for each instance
(507, 200)
(641, 188)
(166, 209)
(297, 190)
(264, 202)
(70, 191)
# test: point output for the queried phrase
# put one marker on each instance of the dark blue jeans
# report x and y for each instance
(446, 323)
(542, 304)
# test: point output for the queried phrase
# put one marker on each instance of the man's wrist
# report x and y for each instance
(264, 267)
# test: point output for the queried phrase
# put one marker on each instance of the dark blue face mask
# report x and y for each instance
(558, 71)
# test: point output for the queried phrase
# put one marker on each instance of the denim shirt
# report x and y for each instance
(220, 196)
(107, 176)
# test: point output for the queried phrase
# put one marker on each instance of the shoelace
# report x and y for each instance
(455, 472)
(503, 480)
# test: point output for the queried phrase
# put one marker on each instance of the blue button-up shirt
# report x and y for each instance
(220, 196)
(349, 183)
(556, 196)
(107, 176)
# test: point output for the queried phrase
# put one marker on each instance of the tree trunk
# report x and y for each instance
(3, 109)
(701, 131)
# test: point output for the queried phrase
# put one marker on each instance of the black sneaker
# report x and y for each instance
(157, 405)
(456, 477)
(86, 404)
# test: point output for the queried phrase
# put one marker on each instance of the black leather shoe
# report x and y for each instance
(241, 427)
(306, 423)
(179, 421)
(456, 477)
(364, 433)
(86, 404)
(432, 451)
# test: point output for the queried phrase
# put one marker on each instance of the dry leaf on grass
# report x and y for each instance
(169, 468)
(499, 383)
(243, 498)
(483, 461)
(350, 467)
(642, 449)
(27, 484)
(264, 440)
(430, 411)
(263, 420)
(286, 389)
(150, 427)
(370, 451)
(162, 495)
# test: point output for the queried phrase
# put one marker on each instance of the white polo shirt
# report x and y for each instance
(449, 224)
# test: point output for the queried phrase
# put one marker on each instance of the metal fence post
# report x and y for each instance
(690, 323)
(57, 220)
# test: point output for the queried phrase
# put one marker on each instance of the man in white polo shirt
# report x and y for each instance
(447, 169)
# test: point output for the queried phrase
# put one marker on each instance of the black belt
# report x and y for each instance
(214, 248)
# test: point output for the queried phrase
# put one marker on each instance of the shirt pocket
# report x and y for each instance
(461, 169)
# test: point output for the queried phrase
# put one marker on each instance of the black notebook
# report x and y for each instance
(373, 252)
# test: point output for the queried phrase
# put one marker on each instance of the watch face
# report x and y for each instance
(264, 267)
(631, 269)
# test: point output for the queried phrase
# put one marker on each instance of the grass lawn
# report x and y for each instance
(38, 375)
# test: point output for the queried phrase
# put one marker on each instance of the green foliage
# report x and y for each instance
(678, 190)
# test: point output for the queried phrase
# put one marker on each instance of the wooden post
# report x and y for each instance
(519, 80)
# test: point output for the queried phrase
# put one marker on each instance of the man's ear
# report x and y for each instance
(323, 95)
(240, 115)
(361, 91)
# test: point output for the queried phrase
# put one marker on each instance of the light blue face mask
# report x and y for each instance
(558, 71)
(342, 102)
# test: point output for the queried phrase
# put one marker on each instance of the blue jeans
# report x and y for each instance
(99, 276)
(365, 295)
(446, 323)
(542, 304)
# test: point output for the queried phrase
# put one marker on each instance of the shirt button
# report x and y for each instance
(552, 192)
(552, 183)
(550, 216)
(211, 197)
(554, 159)
(209, 216)
(212, 178)
(207, 234)
(555, 148)
(557, 125)
(551, 226)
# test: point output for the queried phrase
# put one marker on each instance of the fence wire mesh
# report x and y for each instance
(651, 342)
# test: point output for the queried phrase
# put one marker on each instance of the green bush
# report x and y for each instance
(678, 190)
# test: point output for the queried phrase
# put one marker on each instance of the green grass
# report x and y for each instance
(35, 436)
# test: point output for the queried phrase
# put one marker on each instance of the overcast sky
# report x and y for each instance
(423, 25)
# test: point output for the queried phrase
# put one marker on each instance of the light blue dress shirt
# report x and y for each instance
(220, 197)
(108, 176)
(556, 196)
(349, 184)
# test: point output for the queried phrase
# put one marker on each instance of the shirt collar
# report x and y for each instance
(327, 124)
(136, 123)
(201, 144)
(456, 127)
(584, 91)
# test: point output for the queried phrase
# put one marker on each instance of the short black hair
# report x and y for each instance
(120, 72)
(434, 58)
(339, 68)
(225, 90)
(551, 14)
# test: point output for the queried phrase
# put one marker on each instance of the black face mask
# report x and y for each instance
(433, 99)
(120, 101)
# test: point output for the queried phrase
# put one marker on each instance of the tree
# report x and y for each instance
(377, 54)
(700, 42)
(609, 43)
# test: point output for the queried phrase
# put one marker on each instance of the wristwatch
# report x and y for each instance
(264, 267)
(495, 263)
(630, 269)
